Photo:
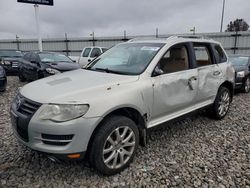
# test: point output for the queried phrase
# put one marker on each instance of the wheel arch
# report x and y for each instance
(230, 87)
(133, 114)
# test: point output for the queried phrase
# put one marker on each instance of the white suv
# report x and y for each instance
(105, 110)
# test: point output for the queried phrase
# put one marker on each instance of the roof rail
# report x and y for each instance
(193, 37)
(146, 38)
(169, 37)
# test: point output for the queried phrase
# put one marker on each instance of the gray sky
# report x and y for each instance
(78, 18)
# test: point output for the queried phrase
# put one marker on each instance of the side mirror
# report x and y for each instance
(34, 62)
(158, 71)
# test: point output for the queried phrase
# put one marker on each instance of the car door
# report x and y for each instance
(33, 66)
(209, 73)
(85, 56)
(175, 84)
(23, 68)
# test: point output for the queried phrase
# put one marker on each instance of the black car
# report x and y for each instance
(9, 59)
(3, 79)
(241, 65)
(36, 65)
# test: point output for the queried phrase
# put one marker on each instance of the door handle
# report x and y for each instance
(216, 73)
(193, 78)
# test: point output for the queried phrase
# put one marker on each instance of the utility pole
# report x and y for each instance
(67, 44)
(17, 42)
(193, 30)
(40, 46)
(124, 34)
(93, 37)
(156, 32)
(222, 16)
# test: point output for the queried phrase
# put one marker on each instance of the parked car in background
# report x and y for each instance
(9, 59)
(3, 79)
(88, 54)
(241, 64)
(36, 65)
(105, 110)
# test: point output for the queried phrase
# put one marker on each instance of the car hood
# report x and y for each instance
(240, 68)
(10, 58)
(63, 66)
(74, 87)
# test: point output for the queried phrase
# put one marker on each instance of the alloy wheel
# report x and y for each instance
(119, 147)
(247, 85)
(224, 103)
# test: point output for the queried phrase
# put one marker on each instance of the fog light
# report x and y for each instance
(74, 156)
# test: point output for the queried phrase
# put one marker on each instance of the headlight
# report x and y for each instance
(6, 62)
(241, 74)
(63, 112)
(52, 71)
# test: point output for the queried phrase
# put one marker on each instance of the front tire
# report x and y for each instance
(21, 77)
(246, 86)
(114, 145)
(221, 105)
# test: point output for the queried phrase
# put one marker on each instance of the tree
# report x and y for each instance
(237, 25)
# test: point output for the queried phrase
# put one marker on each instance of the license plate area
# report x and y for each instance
(22, 131)
(14, 120)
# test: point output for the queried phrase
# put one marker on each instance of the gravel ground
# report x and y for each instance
(197, 152)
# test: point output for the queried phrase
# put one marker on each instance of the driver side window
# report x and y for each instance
(34, 58)
(175, 60)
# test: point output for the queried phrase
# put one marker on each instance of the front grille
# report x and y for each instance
(57, 140)
(25, 109)
(15, 64)
(26, 106)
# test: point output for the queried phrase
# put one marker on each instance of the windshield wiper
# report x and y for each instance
(108, 70)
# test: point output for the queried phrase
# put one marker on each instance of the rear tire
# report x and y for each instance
(246, 86)
(21, 77)
(114, 145)
(221, 105)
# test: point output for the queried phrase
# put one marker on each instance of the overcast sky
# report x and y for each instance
(78, 18)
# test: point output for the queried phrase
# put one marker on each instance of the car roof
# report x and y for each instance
(175, 38)
(94, 47)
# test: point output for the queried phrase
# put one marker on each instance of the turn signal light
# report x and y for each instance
(74, 156)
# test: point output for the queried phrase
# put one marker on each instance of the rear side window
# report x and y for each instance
(220, 56)
(86, 52)
(104, 50)
(95, 52)
(27, 56)
(33, 58)
(202, 55)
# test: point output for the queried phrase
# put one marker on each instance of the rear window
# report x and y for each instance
(219, 54)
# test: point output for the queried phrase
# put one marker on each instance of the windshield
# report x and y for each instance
(53, 57)
(127, 58)
(239, 61)
(10, 53)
